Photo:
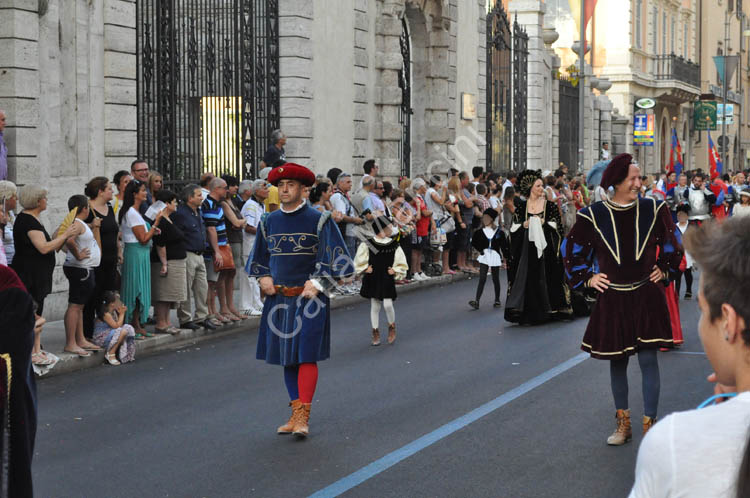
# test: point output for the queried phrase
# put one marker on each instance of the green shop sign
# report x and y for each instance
(704, 115)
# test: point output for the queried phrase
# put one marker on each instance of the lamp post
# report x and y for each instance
(723, 139)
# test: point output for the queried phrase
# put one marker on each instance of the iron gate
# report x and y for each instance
(499, 117)
(405, 110)
(568, 125)
(207, 85)
(520, 90)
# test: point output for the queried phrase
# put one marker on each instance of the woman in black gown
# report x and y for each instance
(537, 291)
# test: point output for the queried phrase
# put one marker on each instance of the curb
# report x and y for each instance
(70, 363)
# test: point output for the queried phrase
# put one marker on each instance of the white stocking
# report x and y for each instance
(374, 312)
(390, 312)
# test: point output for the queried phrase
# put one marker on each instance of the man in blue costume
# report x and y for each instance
(299, 253)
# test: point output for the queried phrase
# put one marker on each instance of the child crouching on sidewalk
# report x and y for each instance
(111, 332)
(383, 262)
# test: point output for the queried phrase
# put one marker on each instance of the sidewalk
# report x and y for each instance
(53, 336)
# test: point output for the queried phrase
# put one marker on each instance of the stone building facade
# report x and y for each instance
(67, 85)
(340, 91)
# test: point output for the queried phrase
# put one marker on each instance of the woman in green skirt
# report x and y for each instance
(136, 267)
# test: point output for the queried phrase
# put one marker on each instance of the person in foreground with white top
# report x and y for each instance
(84, 256)
(704, 453)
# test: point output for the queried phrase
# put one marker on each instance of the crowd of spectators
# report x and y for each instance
(147, 247)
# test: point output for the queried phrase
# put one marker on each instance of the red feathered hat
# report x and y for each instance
(291, 171)
(617, 171)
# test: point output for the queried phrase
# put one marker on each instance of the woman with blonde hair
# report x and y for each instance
(155, 183)
(34, 259)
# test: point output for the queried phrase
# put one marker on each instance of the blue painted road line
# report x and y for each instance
(355, 479)
(692, 353)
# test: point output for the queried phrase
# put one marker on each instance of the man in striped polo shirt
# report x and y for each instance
(216, 236)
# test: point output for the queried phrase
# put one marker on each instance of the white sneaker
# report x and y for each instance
(419, 277)
(425, 276)
(256, 312)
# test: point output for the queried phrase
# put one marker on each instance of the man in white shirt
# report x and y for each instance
(605, 151)
(510, 181)
(341, 203)
(252, 211)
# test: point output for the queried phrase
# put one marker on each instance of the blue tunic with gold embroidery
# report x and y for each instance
(293, 248)
(624, 243)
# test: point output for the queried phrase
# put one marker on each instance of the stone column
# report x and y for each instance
(439, 110)
(19, 87)
(605, 105)
(387, 94)
(295, 73)
(530, 15)
(555, 110)
(361, 79)
(116, 86)
(620, 134)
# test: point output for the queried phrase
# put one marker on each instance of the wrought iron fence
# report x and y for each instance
(568, 125)
(207, 85)
(499, 81)
(405, 110)
(520, 91)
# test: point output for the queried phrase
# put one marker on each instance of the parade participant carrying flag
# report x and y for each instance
(625, 247)
(299, 254)
(714, 159)
(675, 156)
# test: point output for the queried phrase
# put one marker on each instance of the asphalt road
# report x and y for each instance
(200, 421)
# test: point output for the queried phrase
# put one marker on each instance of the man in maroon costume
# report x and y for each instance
(625, 248)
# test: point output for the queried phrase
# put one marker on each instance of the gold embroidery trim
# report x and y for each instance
(628, 287)
(615, 255)
(629, 348)
(639, 252)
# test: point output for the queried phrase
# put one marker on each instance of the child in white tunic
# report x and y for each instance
(490, 241)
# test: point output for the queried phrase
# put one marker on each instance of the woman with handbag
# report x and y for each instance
(136, 265)
(235, 223)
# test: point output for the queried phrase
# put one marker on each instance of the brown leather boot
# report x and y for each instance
(301, 428)
(624, 431)
(288, 428)
(375, 337)
(391, 333)
(648, 423)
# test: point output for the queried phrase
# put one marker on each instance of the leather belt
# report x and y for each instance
(288, 291)
(628, 287)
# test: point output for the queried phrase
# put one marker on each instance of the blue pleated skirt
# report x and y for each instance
(294, 330)
(136, 280)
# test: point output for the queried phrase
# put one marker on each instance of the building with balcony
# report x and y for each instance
(647, 49)
(728, 19)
